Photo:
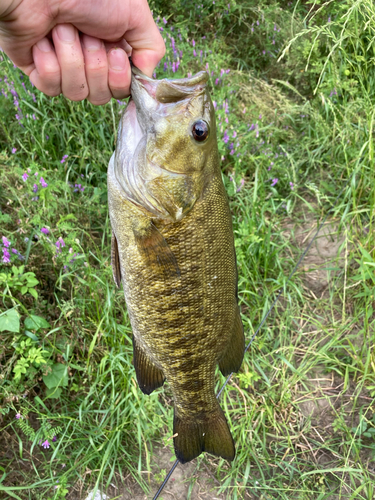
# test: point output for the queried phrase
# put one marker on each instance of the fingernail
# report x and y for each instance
(117, 59)
(44, 45)
(66, 32)
(92, 43)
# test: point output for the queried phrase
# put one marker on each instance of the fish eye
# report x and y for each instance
(200, 130)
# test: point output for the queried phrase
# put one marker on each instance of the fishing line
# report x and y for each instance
(268, 313)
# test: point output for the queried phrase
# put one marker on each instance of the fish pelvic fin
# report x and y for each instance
(155, 250)
(149, 376)
(231, 359)
(115, 261)
(212, 435)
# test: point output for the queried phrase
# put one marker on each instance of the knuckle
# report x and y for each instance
(162, 49)
(52, 92)
(50, 73)
(99, 101)
(96, 66)
(74, 95)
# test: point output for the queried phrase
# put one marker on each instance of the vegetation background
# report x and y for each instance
(293, 85)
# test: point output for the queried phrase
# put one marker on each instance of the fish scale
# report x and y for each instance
(178, 271)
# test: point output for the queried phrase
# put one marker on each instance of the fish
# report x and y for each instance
(173, 251)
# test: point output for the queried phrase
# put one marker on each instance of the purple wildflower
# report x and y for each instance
(45, 444)
(6, 242)
(242, 183)
(274, 181)
(25, 177)
(18, 416)
(43, 182)
(35, 188)
(63, 159)
(291, 185)
(194, 53)
(78, 187)
(14, 150)
(44, 230)
(6, 256)
(226, 137)
(164, 20)
(234, 134)
(60, 243)
(54, 439)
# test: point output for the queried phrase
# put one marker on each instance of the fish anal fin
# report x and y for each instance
(211, 435)
(149, 376)
(155, 250)
(231, 359)
(115, 261)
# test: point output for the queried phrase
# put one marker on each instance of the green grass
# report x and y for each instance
(301, 409)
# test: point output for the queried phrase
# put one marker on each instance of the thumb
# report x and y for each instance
(147, 44)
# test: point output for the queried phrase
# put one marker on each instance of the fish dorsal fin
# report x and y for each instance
(155, 250)
(115, 261)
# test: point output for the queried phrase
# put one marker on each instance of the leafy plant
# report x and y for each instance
(31, 358)
(20, 281)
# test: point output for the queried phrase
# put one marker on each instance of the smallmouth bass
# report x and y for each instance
(173, 251)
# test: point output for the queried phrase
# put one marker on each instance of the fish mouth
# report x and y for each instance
(150, 101)
(155, 99)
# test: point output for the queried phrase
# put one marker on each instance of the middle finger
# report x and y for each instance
(69, 54)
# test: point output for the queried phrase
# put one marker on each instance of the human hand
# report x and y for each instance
(92, 40)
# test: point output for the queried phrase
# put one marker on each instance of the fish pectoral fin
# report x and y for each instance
(149, 376)
(155, 250)
(115, 261)
(212, 435)
(231, 359)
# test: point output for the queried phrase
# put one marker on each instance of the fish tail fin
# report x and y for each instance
(232, 358)
(211, 435)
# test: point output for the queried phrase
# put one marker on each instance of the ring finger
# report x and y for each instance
(119, 74)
